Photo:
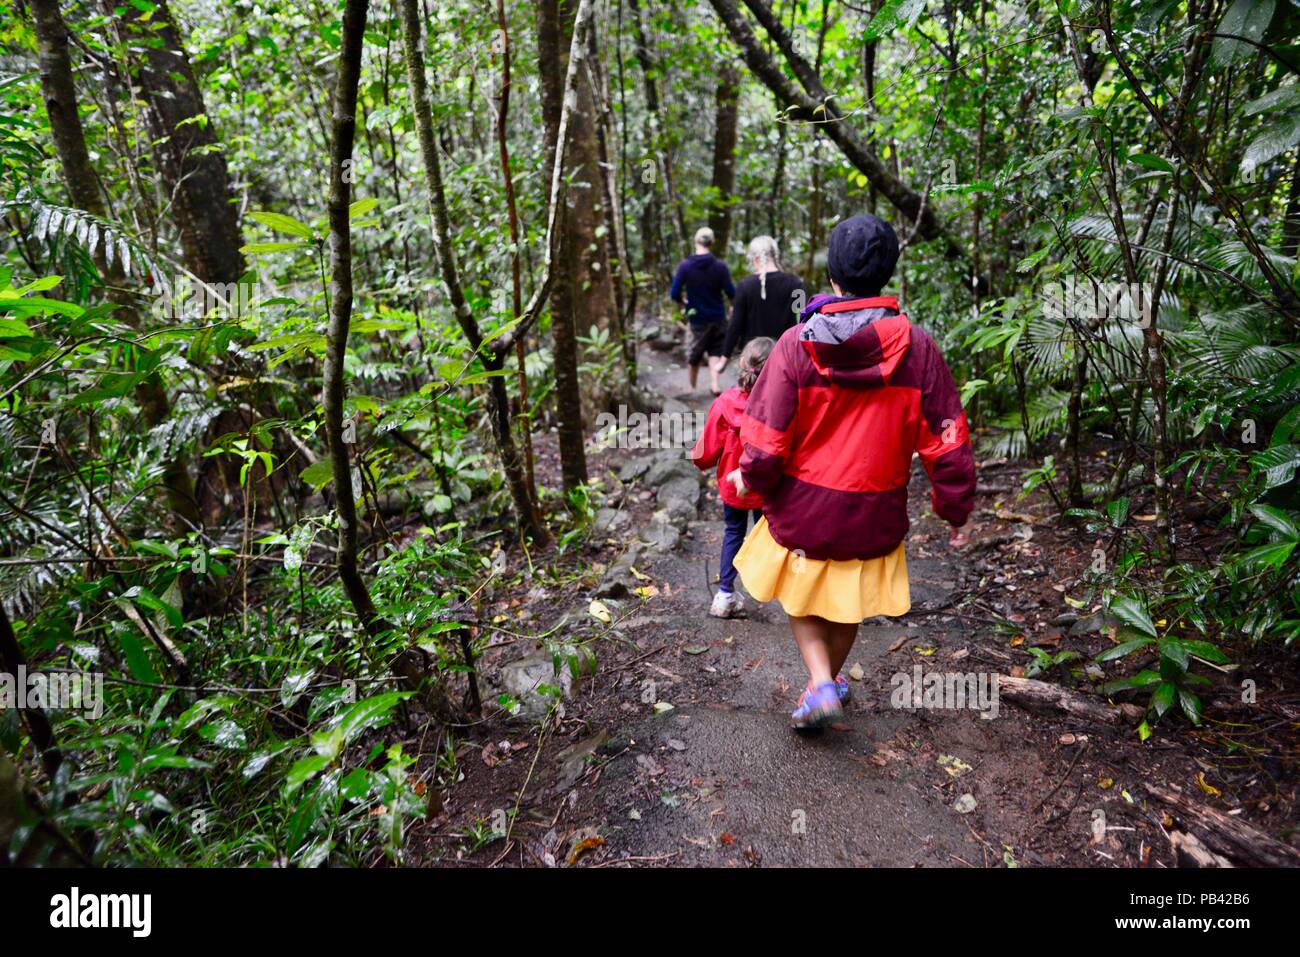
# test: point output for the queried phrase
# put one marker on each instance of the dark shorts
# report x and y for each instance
(707, 337)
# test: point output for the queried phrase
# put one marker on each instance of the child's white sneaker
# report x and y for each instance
(726, 604)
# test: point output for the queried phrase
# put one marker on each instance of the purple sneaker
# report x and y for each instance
(841, 689)
(817, 708)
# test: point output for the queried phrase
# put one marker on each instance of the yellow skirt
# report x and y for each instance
(845, 591)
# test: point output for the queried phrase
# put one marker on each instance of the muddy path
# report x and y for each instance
(677, 751)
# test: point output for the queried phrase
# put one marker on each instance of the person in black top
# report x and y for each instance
(767, 303)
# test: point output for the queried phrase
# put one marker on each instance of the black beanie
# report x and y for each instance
(862, 256)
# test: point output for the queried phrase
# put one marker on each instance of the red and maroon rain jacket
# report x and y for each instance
(830, 427)
(719, 445)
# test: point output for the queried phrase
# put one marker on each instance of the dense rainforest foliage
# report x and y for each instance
(307, 310)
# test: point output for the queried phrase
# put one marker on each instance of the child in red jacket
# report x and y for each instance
(719, 445)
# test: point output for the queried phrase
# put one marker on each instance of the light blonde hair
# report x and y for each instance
(763, 249)
(752, 358)
(704, 237)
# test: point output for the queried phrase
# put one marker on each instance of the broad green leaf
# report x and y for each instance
(318, 474)
(1275, 139)
(361, 207)
(224, 734)
(1245, 18)
(1271, 556)
(1276, 519)
(253, 249)
(1130, 611)
(284, 224)
(303, 770)
(1118, 511)
(369, 713)
(894, 17)
(1151, 162)
(1123, 648)
(1162, 698)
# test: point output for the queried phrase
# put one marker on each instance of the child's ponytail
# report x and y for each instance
(751, 362)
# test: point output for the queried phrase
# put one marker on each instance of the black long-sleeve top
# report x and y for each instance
(755, 314)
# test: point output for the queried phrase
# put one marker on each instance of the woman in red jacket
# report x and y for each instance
(828, 436)
(719, 444)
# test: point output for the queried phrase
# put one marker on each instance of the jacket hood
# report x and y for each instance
(855, 342)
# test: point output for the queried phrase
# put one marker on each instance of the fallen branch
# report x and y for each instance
(1043, 696)
(1190, 852)
(1225, 835)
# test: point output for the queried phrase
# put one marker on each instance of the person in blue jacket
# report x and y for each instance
(704, 279)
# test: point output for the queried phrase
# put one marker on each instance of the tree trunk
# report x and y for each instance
(724, 157)
(516, 285)
(38, 723)
(498, 402)
(45, 845)
(552, 62)
(1291, 219)
(621, 280)
(344, 126)
(60, 95)
(191, 163)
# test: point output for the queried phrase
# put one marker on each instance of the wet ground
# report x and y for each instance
(679, 752)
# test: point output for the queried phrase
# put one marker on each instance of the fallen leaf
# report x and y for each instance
(856, 672)
(955, 766)
(695, 649)
(599, 611)
(726, 837)
(662, 707)
(964, 804)
(1209, 789)
(640, 576)
(584, 845)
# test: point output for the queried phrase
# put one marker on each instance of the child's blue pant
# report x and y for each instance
(737, 524)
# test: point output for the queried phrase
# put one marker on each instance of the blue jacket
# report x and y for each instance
(705, 279)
